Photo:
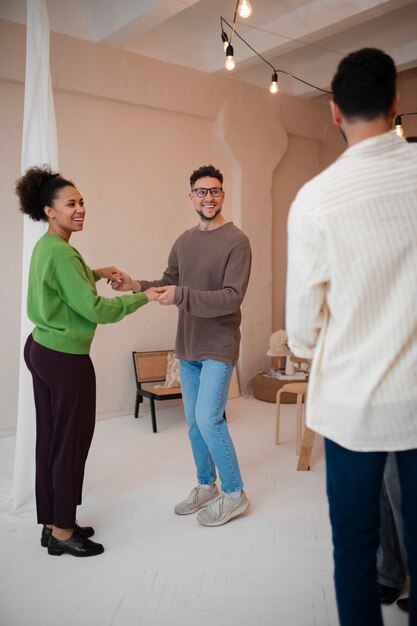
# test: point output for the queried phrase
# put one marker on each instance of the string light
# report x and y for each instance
(230, 63)
(245, 9)
(398, 123)
(273, 87)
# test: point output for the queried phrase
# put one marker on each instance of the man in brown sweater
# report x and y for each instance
(206, 278)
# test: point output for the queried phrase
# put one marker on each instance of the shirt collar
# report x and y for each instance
(375, 144)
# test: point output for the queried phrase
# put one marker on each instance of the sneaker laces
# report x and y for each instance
(194, 495)
(219, 504)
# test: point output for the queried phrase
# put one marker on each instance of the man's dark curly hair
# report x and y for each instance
(364, 85)
(38, 188)
(206, 170)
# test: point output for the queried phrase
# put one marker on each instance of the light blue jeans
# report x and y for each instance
(205, 385)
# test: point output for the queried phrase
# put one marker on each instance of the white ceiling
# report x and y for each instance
(306, 38)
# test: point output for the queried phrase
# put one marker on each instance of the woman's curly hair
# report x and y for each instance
(37, 188)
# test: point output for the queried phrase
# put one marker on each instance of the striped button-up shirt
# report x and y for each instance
(352, 295)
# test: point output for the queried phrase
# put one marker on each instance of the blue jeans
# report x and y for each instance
(205, 385)
(392, 556)
(354, 481)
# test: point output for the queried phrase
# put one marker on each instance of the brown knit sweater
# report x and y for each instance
(211, 270)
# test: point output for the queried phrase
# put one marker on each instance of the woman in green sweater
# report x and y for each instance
(64, 306)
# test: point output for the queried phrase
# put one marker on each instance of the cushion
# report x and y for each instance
(173, 372)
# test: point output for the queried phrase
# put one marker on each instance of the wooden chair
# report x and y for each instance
(151, 367)
(300, 389)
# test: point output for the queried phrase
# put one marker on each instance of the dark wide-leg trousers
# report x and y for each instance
(64, 387)
(354, 481)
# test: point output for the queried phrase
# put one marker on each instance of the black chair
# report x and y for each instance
(151, 367)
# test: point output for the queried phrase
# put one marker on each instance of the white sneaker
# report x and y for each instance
(198, 498)
(222, 510)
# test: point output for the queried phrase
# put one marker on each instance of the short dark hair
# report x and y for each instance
(206, 170)
(364, 85)
(38, 188)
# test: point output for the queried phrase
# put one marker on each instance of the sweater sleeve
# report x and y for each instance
(76, 290)
(170, 276)
(223, 301)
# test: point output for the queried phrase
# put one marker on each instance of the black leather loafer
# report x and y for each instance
(83, 531)
(75, 545)
(404, 604)
(388, 595)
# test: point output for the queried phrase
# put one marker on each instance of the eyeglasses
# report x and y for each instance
(201, 192)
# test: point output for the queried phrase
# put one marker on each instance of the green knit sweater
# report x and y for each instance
(62, 298)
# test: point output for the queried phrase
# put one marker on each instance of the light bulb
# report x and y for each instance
(245, 9)
(273, 87)
(398, 126)
(230, 59)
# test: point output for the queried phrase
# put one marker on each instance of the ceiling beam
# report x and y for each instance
(117, 23)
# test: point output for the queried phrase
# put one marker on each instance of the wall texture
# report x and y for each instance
(130, 131)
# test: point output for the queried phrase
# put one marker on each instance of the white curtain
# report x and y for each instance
(39, 146)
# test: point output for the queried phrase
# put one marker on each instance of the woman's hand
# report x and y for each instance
(126, 283)
(112, 274)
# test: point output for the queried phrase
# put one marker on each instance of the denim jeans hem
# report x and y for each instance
(389, 582)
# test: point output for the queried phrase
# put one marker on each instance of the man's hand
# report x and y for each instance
(152, 294)
(111, 273)
(167, 295)
(126, 283)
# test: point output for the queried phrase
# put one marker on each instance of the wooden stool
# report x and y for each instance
(300, 389)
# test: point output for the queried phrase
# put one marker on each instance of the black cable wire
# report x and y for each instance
(278, 71)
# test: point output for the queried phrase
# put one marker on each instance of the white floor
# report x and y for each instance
(272, 566)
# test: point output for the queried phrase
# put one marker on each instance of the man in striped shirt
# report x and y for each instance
(352, 307)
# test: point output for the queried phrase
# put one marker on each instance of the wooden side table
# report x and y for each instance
(265, 388)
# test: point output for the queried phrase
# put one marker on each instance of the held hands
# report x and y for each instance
(125, 283)
(163, 295)
(152, 294)
(120, 281)
(166, 295)
(112, 274)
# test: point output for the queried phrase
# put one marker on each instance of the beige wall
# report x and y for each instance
(300, 163)
(407, 87)
(130, 131)
(305, 157)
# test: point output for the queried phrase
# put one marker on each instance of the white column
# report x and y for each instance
(39, 146)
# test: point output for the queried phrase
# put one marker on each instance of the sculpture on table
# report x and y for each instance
(278, 347)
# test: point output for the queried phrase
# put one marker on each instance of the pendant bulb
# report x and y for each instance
(398, 126)
(273, 87)
(230, 63)
(245, 9)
